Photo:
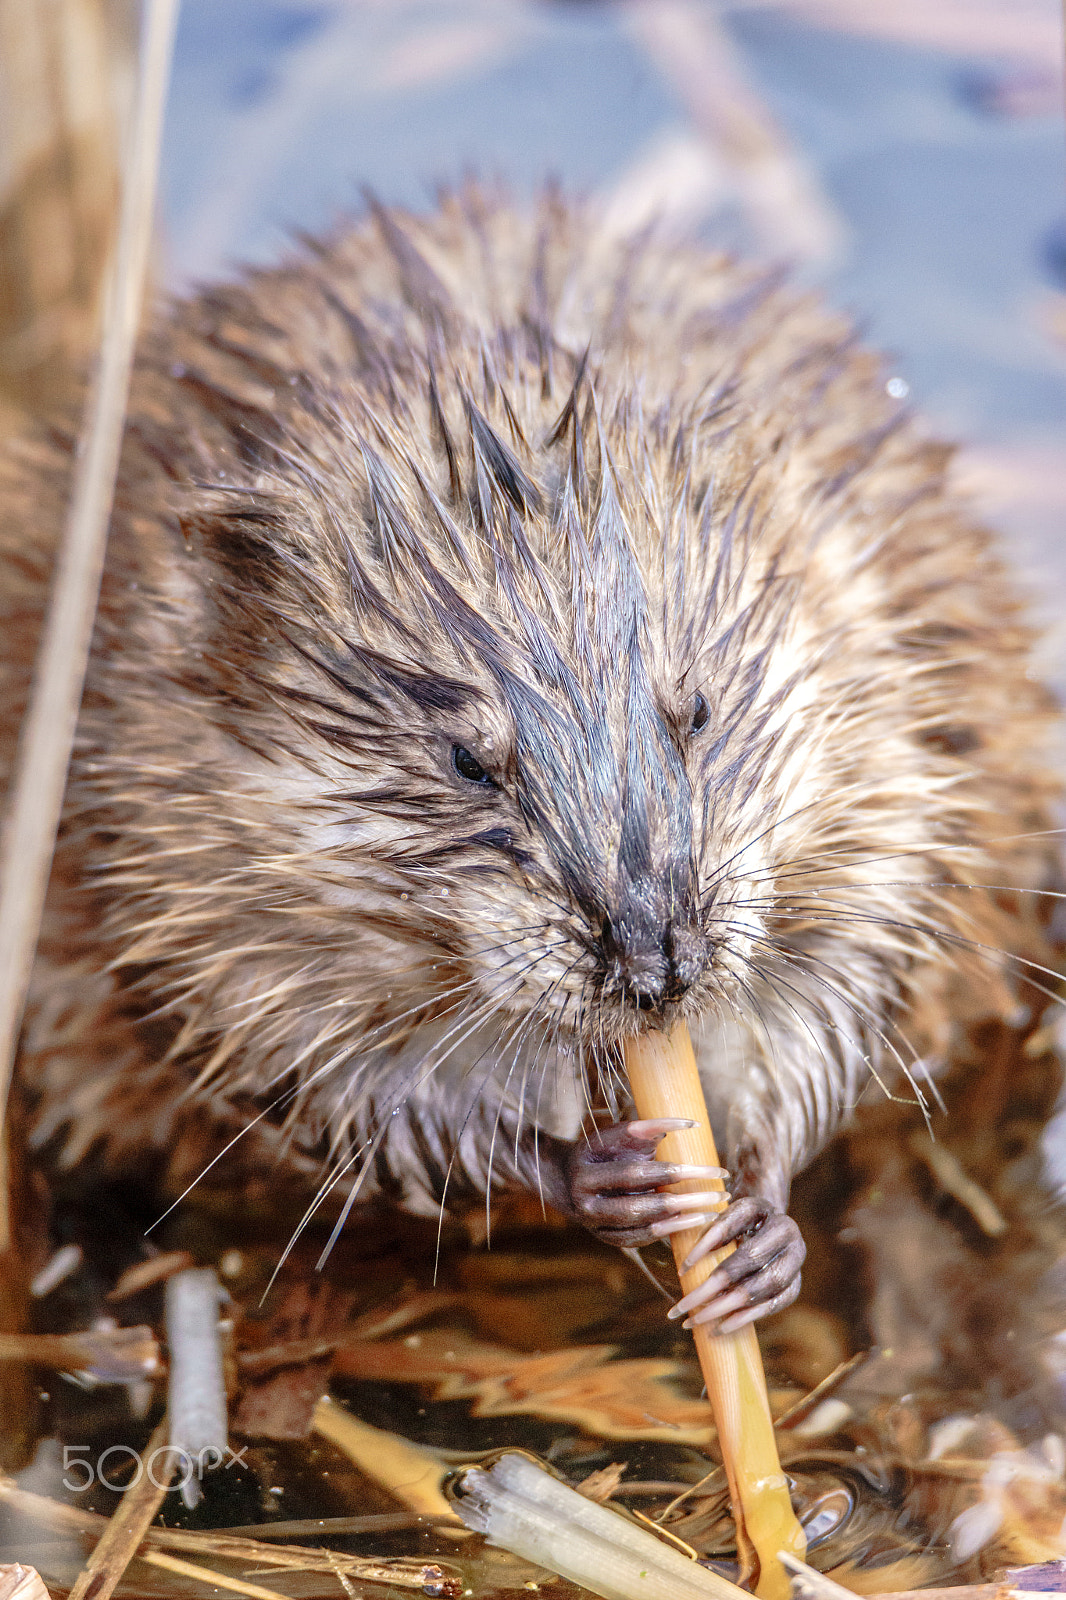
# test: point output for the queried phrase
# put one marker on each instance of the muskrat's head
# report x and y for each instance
(534, 727)
(498, 686)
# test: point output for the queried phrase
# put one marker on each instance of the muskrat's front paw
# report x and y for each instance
(762, 1274)
(615, 1184)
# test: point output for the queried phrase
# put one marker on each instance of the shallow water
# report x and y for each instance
(936, 1457)
(562, 1350)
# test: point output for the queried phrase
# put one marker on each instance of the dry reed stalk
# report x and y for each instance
(209, 1577)
(665, 1083)
(224, 1545)
(106, 1567)
(35, 799)
(411, 1473)
(19, 1582)
(18, 1390)
(112, 1355)
(65, 71)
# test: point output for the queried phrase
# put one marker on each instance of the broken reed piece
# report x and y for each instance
(410, 1472)
(107, 1355)
(18, 1582)
(196, 1386)
(137, 1509)
(520, 1506)
(665, 1083)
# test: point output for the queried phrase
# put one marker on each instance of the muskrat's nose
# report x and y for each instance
(653, 972)
(645, 991)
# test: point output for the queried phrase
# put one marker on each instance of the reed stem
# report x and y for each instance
(665, 1083)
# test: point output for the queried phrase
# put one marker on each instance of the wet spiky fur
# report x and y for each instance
(644, 534)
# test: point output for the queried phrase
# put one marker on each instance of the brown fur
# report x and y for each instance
(504, 483)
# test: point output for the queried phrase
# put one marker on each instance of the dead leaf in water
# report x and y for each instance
(613, 1399)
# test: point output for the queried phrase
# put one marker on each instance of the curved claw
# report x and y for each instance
(761, 1276)
(615, 1185)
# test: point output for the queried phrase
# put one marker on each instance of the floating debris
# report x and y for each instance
(412, 1473)
(61, 1265)
(197, 1391)
(522, 1508)
(145, 1274)
(18, 1582)
(102, 1355)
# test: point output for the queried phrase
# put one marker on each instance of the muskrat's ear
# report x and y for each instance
(251, 536)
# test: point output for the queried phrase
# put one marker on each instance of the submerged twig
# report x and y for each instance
(197, 1390)
(329, 1527)
(227, 1546)
(208, 1576)
(109, 1355)
(691, 1489)
(104, 1570)
(955, 1181)
(145, 1274)
(293, 1353)
(412, 1474)
(831, 1381)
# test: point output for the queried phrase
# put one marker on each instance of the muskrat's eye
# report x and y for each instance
(701, 713)
(468, 766)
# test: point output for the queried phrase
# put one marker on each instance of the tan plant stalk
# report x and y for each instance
(35, 797)
(665, 1083)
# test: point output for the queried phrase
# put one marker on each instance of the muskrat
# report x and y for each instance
(512, 638)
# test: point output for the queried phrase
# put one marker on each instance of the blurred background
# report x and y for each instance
(909, 158)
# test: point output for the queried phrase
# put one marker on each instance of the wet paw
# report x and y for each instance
(761, 1276)
(615, 1185)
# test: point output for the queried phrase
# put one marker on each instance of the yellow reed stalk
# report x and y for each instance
(410, 1472)
(665, 1083)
